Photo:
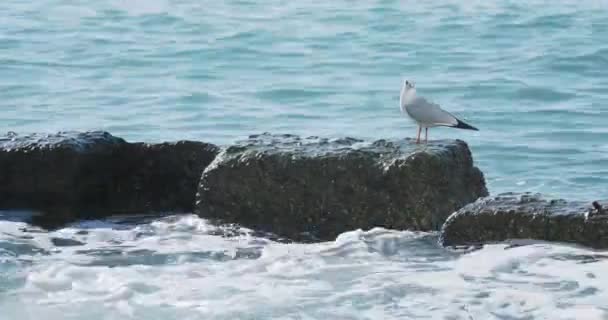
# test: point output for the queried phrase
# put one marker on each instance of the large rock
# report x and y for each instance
(512, 216)
(314, 189)
(72, 175)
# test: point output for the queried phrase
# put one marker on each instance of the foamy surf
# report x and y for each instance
(182, 267)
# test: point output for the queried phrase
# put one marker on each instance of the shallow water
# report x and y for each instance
(531, 75)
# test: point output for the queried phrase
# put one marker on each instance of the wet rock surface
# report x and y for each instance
(73, 175)
(528, 216)
(65, 242)
(312, 189)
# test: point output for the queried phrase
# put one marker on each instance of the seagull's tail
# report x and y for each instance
(462, 125)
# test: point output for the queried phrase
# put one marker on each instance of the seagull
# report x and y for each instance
(425, 113)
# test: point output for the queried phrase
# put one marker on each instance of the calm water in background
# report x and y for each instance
(531, 75)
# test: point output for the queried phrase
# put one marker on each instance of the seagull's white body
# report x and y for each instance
(425, 113)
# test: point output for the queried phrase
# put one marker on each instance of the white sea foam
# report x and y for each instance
(183, 268)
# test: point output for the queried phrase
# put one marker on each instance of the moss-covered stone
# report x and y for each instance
(314, 189)
(72, 175)
(512, 216)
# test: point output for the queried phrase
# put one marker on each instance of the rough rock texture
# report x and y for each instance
(92, 174)
(527, 216)
(314, 189)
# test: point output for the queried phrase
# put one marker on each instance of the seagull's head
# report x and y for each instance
(408, 84)
(408, 87)
(407, 93)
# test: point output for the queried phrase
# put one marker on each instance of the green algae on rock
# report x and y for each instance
(529, 216)
(310, 189)
(72, 175)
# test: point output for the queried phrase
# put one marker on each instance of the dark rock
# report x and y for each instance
(598, 207)
(314, 189)
(65, 242)
(68, 175)
(527, 216)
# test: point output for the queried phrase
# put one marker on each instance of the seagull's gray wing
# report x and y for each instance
(429, 113)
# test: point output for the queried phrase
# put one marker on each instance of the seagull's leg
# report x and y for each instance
(426, 135)
(418, 138)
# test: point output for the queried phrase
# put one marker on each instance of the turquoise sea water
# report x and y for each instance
(531, 75)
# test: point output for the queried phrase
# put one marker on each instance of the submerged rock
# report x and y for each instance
(527, 216)
(66, 242)
(314, 189)
(72, 175)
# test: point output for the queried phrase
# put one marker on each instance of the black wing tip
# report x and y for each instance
(463, 125)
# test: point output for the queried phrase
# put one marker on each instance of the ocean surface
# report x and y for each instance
(531, 75)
